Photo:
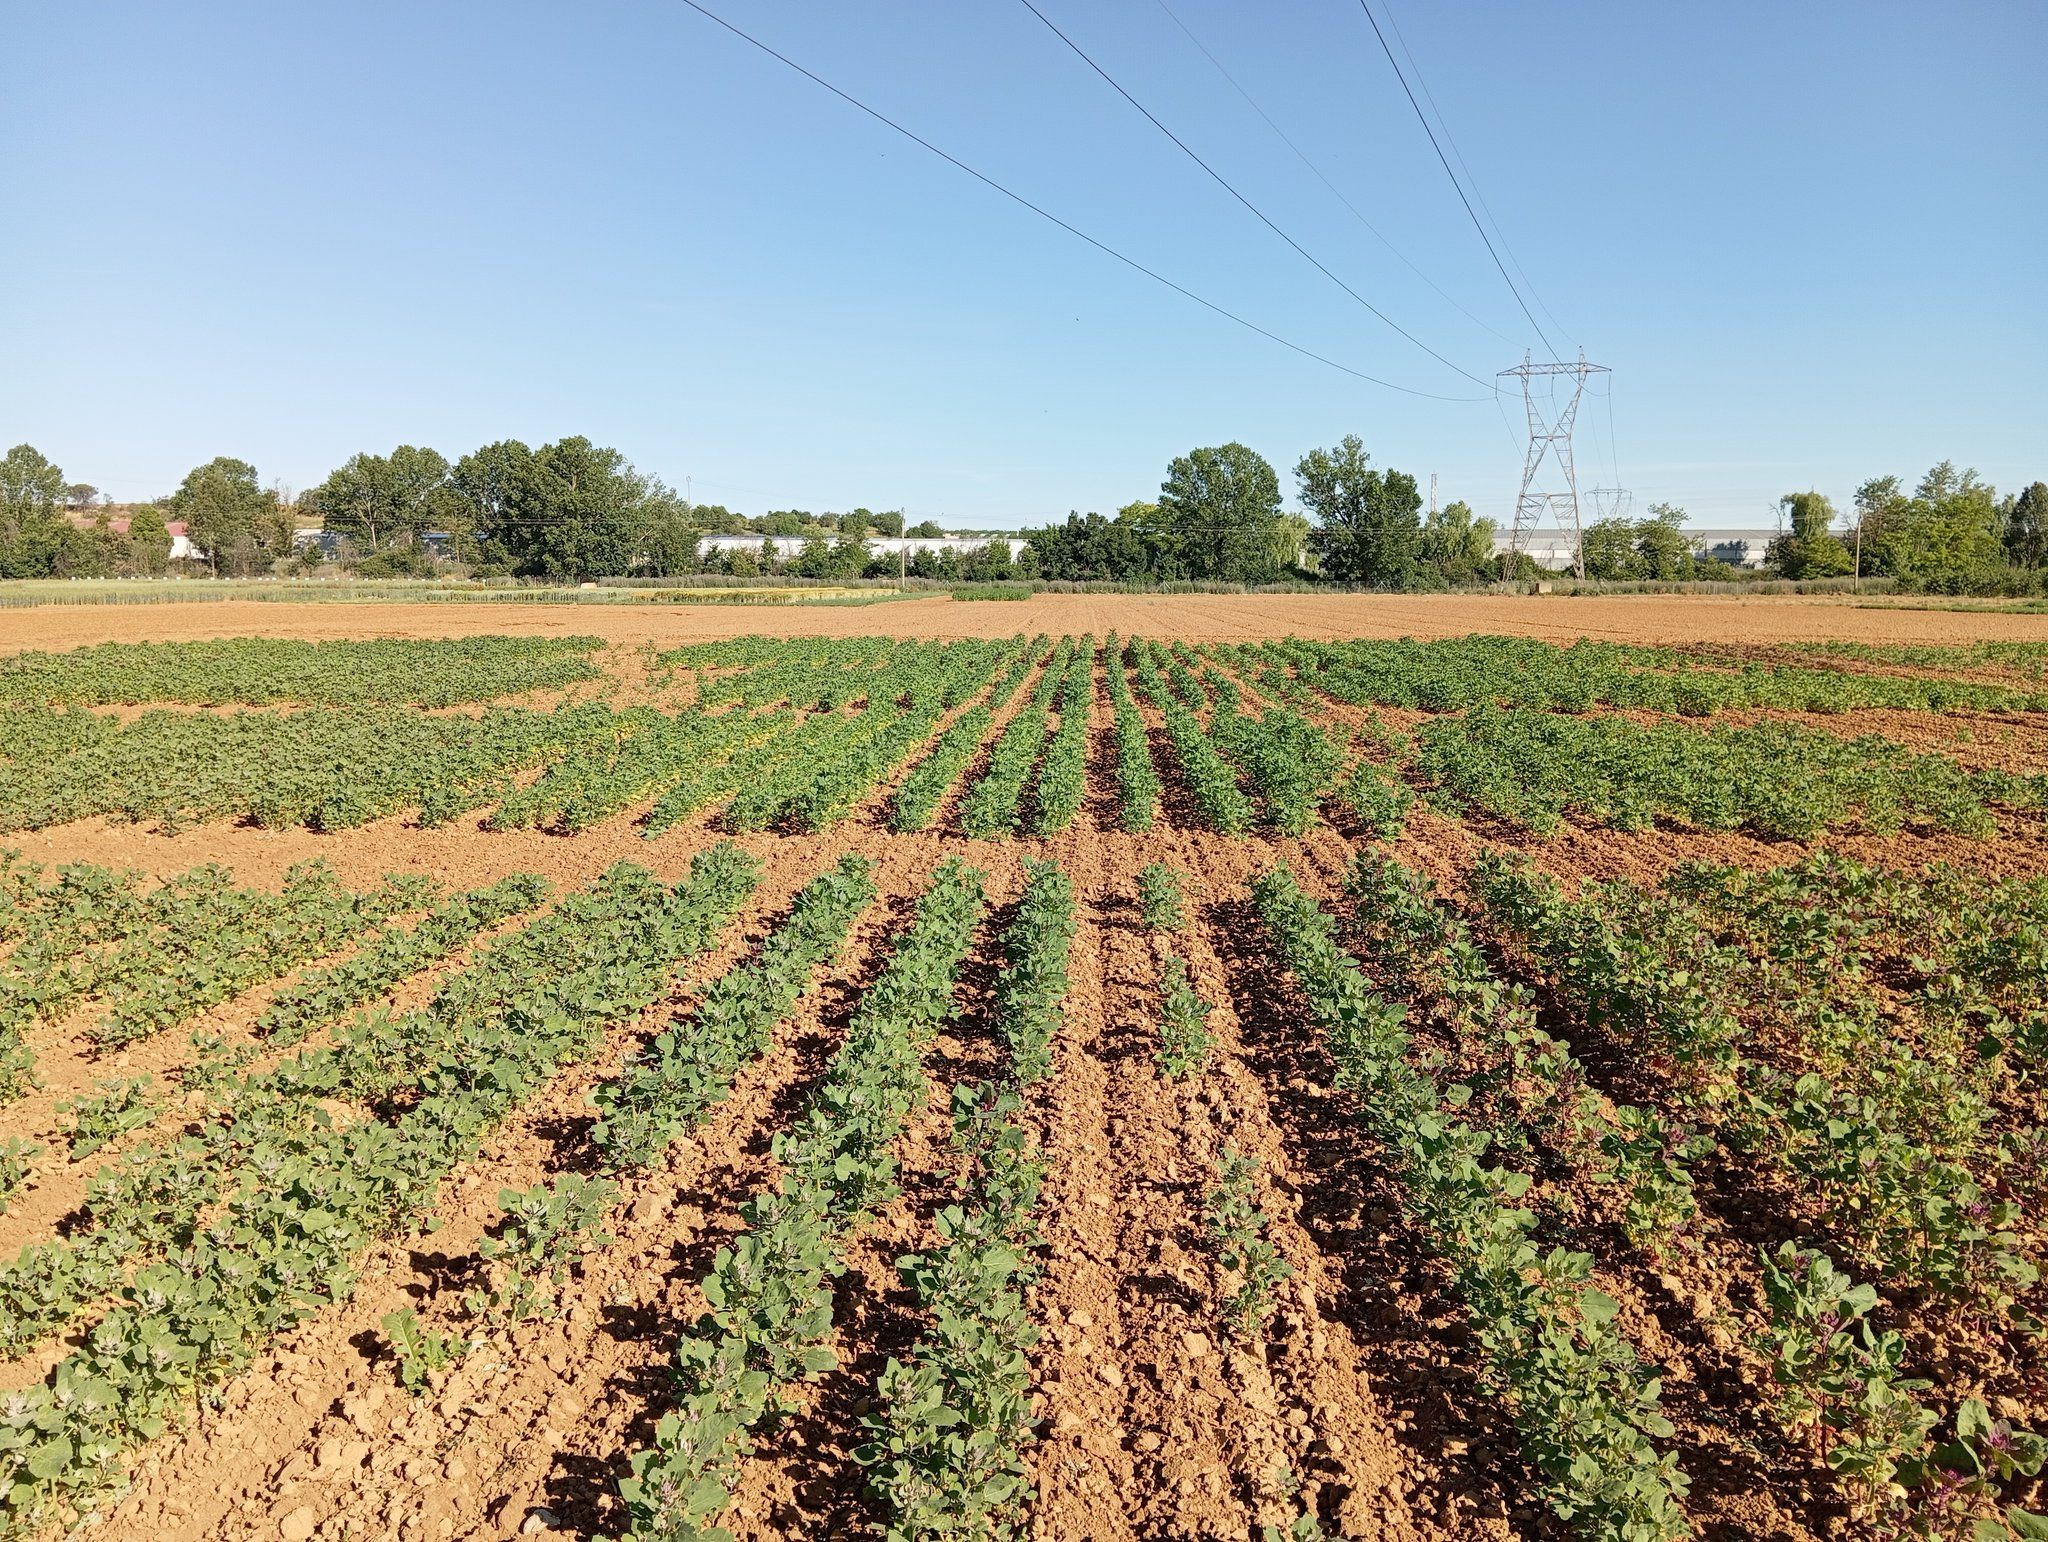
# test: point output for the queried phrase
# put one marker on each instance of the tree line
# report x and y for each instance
(573, 509)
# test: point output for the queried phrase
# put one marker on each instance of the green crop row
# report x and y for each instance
(285, 1243)
(323, 995)
(1212, 784)
(769, 1297)
(1137, 782)
(989, 807)
(426, 673)
(1530, 768)
(671, 1085)
(946, 1442)
(933, 777)
(1063, 772)
(1584, 1405)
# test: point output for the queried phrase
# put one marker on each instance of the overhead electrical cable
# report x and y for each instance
(1471, 181)
(1226, 185)
(1423, 118)
(1072, 230)
(1335, 192)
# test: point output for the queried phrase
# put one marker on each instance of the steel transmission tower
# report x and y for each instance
(1550, 434)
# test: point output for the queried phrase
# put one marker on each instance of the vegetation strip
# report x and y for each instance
(769, 1297)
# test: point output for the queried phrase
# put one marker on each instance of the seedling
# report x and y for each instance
(1183, 1020)
(545, 1231)
(421, 1351)
(1159, 898)
(1237, 1226)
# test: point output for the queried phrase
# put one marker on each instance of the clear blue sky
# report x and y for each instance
(1808, 238)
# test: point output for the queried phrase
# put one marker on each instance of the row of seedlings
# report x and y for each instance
(1583, 1403)
(769, 1294)
(946, 1442)
(988, 809)
(1211, 783)
(917, 800)
(287, 1240)
(1137, 782)
(1063, 772)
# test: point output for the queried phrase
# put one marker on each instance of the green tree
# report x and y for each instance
(231, 517)
(1454, 546)
(1662, 551)
(149, 543)
(1370, 520)
(1608, 547)
(1810, 549)
(377, 499)
(32, 524)
(1220, 503)
(1946, 537)
(2026, 527)
(576, 511)
(926, 530)
(483, 483)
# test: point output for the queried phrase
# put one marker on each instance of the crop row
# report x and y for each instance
(1909, 1184)
(287, 1239)
(918, 799)
(647, 754)
(322, 995)
(1063, 771)
(769, 1296)
(1457, 674)
(946, 1442)
(989, 806)
(438, 673)
(1584, 1405)
(1530, 768)
(670, 1086)
(1287, 761)
(1137, 780)
(1834, 1369)
(1211, 783)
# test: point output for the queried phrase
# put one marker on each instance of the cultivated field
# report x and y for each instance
(1088, 1067)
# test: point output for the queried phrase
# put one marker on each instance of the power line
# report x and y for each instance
(1046, 214)
(1423, 119)
(1226, 185)
(1335, 191)
(1459, 156)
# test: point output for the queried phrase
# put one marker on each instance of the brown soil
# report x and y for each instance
(1193, 617)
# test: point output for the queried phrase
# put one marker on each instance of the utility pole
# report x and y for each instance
(1432, 495)
(1550, 434)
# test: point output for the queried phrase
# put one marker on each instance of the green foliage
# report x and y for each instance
(1380, 799)
(422, 1352)
(1370, 520)
(1781, 779)
(545, 1230)
(1183, 1021)
(1237, 1228)
(121, 1105)
(1063, 770)
(231, 517)
(205, 672)
(1217, 507)
(1159, 897)
(1033, 981)
(1288, 761)
(989, 807)
(768, 1297)
(1585, 1407)
(285, 1241)
(946, 1447)
(16, 1157)
(1210, 781)
(687, 1070)
(1137, 782)
(919, 796)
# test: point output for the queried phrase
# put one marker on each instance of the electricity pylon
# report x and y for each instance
(1550, 435)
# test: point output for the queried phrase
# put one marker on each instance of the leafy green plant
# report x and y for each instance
(545, 1230)
(422, 1352)
(121, 1105)
(16, 1157)
(1183, 1021)
(1237, 1227)
(1159, 900)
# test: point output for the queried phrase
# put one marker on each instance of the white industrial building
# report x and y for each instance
(1738, 548)
(877, 545)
